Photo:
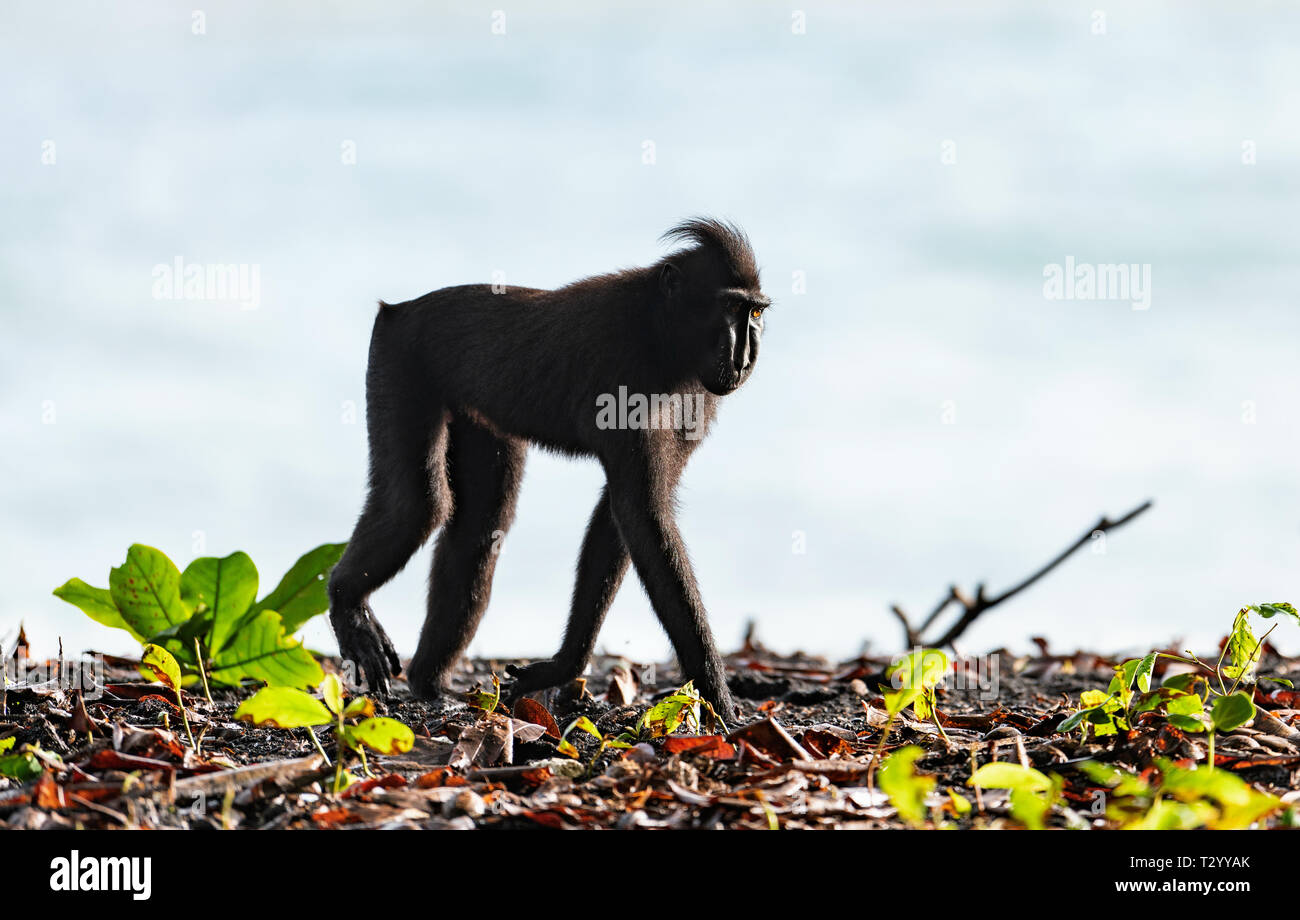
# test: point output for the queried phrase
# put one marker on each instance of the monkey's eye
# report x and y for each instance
(757, 313)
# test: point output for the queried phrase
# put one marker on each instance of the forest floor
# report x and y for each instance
(813, 750)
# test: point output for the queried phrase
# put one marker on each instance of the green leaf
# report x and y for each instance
(1142, 673)
(481, 699)
(146, 591)
(361, 706)
(1268, 611)
(1243, 649)
(96, 603)
(7, 743)
(332, 691)
(905, 787)
(1121, 782)
(1165, 815)
(1030, 808)
(303, 591)
(960, 804)
(262, 651)
(382, 735)
(1187, 723)
(582, 723)
(922, 670)
(1229, 712)
(1186, 682)
(226, 587)
(1001, 775)
(24, 766)
(1187, 704)
(283, 707)
(670, 713)
(1240, 805)
(158, 664)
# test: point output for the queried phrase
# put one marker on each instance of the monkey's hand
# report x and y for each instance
(540, 675)
(363, 642)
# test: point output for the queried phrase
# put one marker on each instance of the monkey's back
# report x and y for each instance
(527, 360)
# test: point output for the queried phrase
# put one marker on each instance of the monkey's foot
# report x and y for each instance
(540, 675)
(719, 697)
(428, 685)
(363, 642)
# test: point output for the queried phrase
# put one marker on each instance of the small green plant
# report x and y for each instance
(157, 664)
(1179, 798)
(1033, 793)
(1207, 702)
(907, 790)
(355, 725)
(208, 618)
(915, 677)
(23, 765)
(680, 708)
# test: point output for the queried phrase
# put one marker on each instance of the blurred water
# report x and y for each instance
(919, 167)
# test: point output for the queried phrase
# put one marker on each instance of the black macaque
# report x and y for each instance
(461, 380)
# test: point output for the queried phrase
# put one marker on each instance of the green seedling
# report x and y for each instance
(1177, 798)
(621, 741)
(157, 664)
(355, 725)
(208, 618)
(916, 676)
(1033, 793)
(907, 790)
(1110, 712)
(21, 765)
(1195, 702)
(680, 708)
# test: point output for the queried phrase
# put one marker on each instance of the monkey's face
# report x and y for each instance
(734, 328)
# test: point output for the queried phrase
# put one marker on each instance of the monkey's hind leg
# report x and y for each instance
(484, 472)
(601, 566)
(406, 501)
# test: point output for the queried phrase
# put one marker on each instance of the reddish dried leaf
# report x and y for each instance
(824, 744)
(714, 746)
(334, 817)
(529, 710)
(390, 781)
(48, 793)
(770, 737)
(442, 776)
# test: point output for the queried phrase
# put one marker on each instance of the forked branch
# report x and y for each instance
(973, 607)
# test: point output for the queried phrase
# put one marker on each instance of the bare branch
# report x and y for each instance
(972, 608)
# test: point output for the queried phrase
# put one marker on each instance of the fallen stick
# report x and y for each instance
(972, 608)
(208, 783)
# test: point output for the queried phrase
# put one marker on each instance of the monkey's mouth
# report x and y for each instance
(724, 384)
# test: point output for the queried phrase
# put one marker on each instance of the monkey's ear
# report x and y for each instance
(670, 280)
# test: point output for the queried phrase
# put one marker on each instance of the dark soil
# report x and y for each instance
(801, 757)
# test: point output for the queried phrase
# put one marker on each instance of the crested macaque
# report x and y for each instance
(462, 380)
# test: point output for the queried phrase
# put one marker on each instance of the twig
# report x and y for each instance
(972, 608)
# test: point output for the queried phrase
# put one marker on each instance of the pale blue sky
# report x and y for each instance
(522, 153)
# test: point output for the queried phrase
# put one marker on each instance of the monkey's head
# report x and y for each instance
(714, 303)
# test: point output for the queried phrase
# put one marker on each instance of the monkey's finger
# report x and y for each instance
(377, 672)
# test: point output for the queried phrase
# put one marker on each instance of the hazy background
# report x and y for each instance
(128, 418)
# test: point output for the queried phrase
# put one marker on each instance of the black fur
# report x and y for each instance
(461, 379)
